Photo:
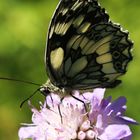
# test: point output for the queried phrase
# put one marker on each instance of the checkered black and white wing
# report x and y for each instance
(85, 50)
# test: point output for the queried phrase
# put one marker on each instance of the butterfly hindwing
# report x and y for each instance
(99, 61)
(85, 50)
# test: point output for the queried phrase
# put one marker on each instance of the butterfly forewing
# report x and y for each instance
(85, 50)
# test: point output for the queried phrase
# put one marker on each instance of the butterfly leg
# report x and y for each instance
(59, 109)
(80, 101)
(60, 113)
(51, 99)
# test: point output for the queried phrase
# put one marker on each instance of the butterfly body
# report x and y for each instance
(85, 50)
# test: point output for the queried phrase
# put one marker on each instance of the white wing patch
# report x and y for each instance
(64, 11)
(88, 46)
(61, 28)
(84, 42)
(76, 44)
(77, 22)
(76, 5)
(57, 57)
(108, 68)
(84, 27)
(103, 48)
(113, 76)
(51, 32)
(104, 58)
(98, 44)
(72, 41)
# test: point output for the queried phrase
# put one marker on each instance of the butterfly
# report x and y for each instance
(85, 49)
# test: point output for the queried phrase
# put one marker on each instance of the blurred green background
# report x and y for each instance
(23, 28)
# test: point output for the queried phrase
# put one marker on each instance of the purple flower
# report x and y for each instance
(104, 119)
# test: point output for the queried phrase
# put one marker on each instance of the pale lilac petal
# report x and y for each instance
(99, 123)
(115, 132)
(52, 99)
(85, 97)
(99, 94)
(37, 117)
(27, 132)
(96, 101)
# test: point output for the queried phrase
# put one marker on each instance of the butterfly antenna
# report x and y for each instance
(22, 103)
(22, 81)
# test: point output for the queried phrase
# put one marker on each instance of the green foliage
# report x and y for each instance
(23, 28)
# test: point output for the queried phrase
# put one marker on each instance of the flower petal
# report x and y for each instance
(127, 120)
(115, 132)
(99, 93)
(117, 106)
(62, 121)
(52, 99)
(27, 132)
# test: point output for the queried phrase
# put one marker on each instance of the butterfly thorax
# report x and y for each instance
(49, 87)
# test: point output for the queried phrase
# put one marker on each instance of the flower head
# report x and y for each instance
(68, 120)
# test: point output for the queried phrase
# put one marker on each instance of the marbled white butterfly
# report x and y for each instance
(85, 50)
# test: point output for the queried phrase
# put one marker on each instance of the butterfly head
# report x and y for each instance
(48, 88)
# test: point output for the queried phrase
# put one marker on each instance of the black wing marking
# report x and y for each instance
(85, 50)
